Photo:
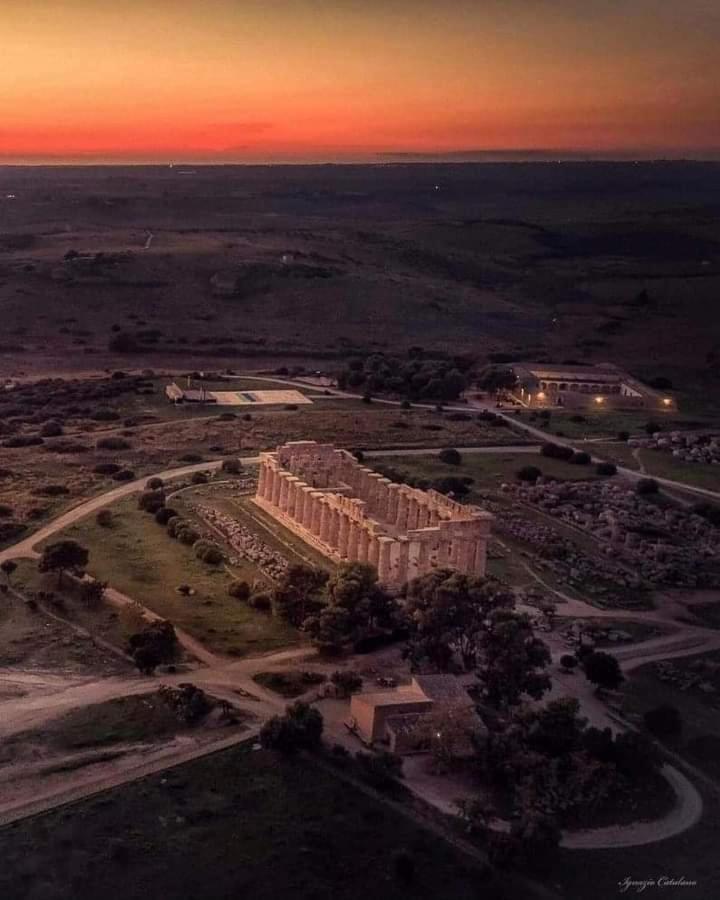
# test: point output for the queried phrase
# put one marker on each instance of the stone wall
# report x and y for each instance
(348, 512)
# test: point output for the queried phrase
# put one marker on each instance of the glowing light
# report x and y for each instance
(667, 401)
(541, 395)
(599, 399)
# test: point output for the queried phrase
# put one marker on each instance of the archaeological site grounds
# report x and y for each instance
(359, 531)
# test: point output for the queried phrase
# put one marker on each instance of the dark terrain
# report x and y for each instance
(596, 261)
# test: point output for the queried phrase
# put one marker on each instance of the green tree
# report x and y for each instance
(447, 613)
(513, 660)
(300, 728)
(603, 670)
(63, 556)
(8, 567)
(299, 594)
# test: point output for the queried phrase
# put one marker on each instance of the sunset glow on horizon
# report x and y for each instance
(296, 79)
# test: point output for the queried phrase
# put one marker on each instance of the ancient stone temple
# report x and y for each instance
(350, 513)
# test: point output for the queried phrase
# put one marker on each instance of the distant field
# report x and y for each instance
(699, 742)
(488, 470)
(237, 824)
(665, 465)
(603, 424)
(137, 558)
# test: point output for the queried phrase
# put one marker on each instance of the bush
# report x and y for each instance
(199, 478)
(580, 458)
(174, 524)
(606, 468)
(104, 518)
(528, 473)
(602, 669)
(623, 436)
(406, 404)
(151, 501)
(708, 511)
(187, 535)
(240, 590)
(164, 514)
(103, 414)
(208, 552)
(652, 427)
(568, 661)
(450, 456)
(124, 475)
(231, 466)
(154, 484)
(556, 451)
(113, 443)
(261, 601)
(191, 458)
(299, 729)
(51, 429)
(647, 486)
(381, 770)
(106, 468)
(346, 683)
(663, 721)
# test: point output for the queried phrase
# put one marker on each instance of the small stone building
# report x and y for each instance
(394, 717)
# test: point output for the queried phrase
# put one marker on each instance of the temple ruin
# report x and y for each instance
(350, 513)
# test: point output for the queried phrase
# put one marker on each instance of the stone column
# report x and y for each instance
(423, 516)
(403, 560)
(343, 534)
(352, 541)
(362, 549)
(373, 552)
(277, 484)
(392, 507)
(383, 563)
(299, 512)
(317, 512)
(262, 477)
(325, 514)
(412, 519)
(402, 510)
(480, 557)
(413, 567)
(290, 500)
(307, 507)
(283, 490)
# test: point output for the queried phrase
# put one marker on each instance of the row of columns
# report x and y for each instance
(340, 525)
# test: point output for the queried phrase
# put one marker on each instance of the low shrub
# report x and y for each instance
(261, 601)
(104, 518)
(450, 456)
(240, 590)
(663, 721)
(580, 458)
(528, 473)
(647, 486)
(124, 475)
(113, 443)
(106, 468)
(606, 468)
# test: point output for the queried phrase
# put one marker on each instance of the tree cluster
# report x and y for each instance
(415, 378)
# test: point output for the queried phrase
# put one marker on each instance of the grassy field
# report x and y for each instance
(102, 621)
(140, 718)
(488, 470)
(136, 557)
(603, 423)
(665, 465)
(699, 742)
(237, 824)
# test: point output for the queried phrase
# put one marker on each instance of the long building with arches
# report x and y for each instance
(598, 386)
(350, 513)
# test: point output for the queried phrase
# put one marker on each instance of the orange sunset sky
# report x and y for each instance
(237, 80)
